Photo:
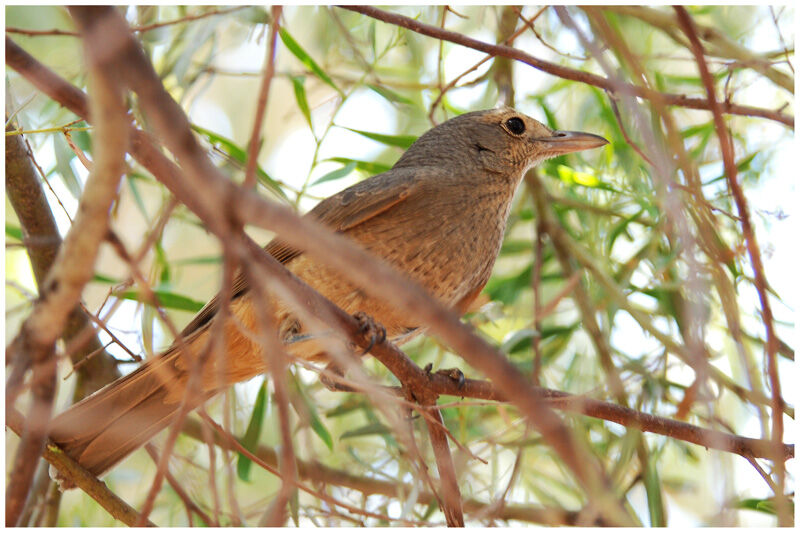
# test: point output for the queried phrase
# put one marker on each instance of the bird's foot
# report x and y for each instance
(368, 327)
(453, 373)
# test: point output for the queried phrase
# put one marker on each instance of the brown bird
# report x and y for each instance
(438, 216)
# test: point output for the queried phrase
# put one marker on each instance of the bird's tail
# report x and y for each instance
(105, 427)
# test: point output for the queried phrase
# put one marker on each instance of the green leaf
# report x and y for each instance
(512, 247)
(305, 59)
(13, 232)
(390, 95)
(368, 167)
(655, 499)
(400, 141)
(162, 262)
(80, 137)
(370, 429)
(764, 505)
(314, 420)
(250, 439)
(571, 176)
(300, 96)
(167, 299)
(337, 174)
(99, 278)
(238, 154)
(137, 196)
(201, 260)
(518, 341)
(621, 227)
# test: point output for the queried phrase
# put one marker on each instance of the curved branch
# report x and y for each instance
(566, 72)
(74, 473)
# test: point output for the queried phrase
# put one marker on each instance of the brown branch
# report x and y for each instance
(320, 473)
(73, 267)
(451, 495)
(139, 29)
(76, 475)
(38, 225)
(625, 416)
(615, 108)
(729, 162)
(261, 105)
(226, 440)
(565, 72)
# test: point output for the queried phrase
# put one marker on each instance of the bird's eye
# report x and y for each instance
(515, 125)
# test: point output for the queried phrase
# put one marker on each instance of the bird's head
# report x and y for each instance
(500, 140)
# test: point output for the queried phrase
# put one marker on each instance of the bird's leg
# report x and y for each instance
(368, 326)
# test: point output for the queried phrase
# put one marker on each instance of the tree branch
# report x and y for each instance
(39, 226)
(565, 72)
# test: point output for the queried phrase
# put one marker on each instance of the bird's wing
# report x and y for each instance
(340, 212)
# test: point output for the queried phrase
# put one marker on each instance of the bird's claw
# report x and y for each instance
(368, 326)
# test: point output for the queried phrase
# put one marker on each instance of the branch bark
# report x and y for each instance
(42, 241)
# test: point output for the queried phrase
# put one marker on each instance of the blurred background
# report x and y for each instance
(652, 260)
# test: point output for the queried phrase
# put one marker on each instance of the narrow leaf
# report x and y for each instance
(400, 141)
(367, 167)
(314, 420)
(13, 232)
(167, 299)
(300, 96)
(337, 174)
(305, 59)
(238, 154)
(252, 434)
(390, 95)
(370, 429)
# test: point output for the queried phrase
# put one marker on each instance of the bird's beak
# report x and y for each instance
(564, 142)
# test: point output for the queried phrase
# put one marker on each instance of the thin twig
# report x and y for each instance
(261, 104)
(561, 71)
